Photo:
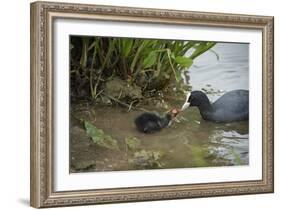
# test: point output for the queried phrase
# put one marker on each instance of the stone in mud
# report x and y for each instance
(147, 159)
(118, 88)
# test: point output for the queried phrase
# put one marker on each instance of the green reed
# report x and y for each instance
(147, 64)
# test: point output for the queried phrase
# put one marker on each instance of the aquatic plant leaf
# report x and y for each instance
(84, 56)
(150, 60)
(184, 61)
(132, 142)
(126, 46)
(99, 137)
(201, 48)
(138, 54)
(178, 75)
(173, 55)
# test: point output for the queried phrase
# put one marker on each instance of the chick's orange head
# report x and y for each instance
(174, 112)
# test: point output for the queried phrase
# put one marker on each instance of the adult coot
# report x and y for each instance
(151, 122)
(232, 106)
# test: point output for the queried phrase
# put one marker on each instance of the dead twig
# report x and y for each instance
(124, 104)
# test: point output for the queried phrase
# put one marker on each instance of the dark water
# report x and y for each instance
(188, 142)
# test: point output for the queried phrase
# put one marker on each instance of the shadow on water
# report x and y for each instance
(188, 142)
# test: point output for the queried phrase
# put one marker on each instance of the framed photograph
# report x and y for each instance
(136, 104)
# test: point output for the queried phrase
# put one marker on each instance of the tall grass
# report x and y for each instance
(150, 65)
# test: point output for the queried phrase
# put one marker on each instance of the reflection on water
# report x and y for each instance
(190, 142)
(229, 72)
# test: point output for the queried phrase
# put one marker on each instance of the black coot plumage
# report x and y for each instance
(153, 122)
(232, 106)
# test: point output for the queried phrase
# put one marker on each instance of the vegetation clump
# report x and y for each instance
(128, 70)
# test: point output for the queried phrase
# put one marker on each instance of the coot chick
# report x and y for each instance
(232, 106)
(153, 122)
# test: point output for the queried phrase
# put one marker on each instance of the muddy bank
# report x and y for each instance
(190, 142)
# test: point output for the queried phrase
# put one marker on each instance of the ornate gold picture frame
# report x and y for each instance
(43, 126)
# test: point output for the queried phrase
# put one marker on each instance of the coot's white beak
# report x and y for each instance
(186, 104)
